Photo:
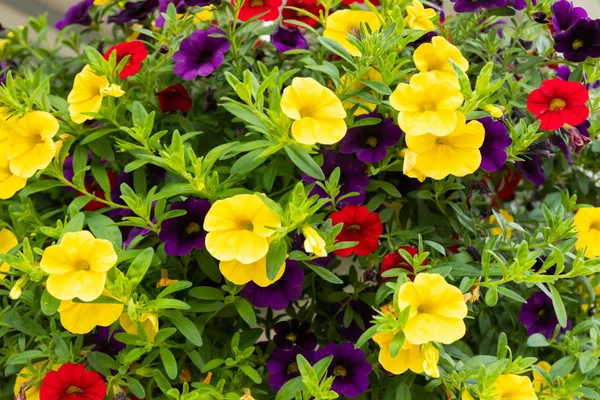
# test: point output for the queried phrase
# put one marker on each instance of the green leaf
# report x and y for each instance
(212, 364)
(491, 296)
(186, 327)
(276, 257)
(587, 361)
(38, 186)
(104, 228)
(563, 366)
(167, 303)
(208, 265)
(483, 79)
(248, 162)
(162, 382)
(245, 310)
(169, 362)
(463, 80)
(135, 387)
(174, 287)
(138, 268)
(559, 307)
(304, 162)
(49, 304)
(206, 293)
(379, 87)
(336, 48)
(289, 389)
(251, 373)
(537, 340)
(75, 224)
(324, 273)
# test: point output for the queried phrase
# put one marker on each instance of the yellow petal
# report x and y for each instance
(86, 285)
(240, 274)
(81, 318)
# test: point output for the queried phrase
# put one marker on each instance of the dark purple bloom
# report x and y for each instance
(531, 167)
(564, 15)
(426, 38)
(370, 142)
(403, 183)
(474, 5)
(283, 367)
(104, 341)
(363, 313)
(184, 233)
(493, 150)
(349, 367)
(134, 11)
(538, 316)
(77, 14)
(278, 295)
(579, 41)
(285, 39)
(6, 66)
(353, 177)
(115, 194)
(294, 333)
(517, 4)
(200, 53)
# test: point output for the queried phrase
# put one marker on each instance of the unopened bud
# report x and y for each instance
(540, 17)
(163, 49)
(577, 141)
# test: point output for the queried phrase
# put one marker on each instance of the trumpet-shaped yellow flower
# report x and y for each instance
(149, 323)
(342, 23)
(514, 387)
(434, 57)
(587, 224)
(420, 17)
(349, 84)
(439, 156)
(205, 15)
(239, 228)
(33, 379)
(240, 274)
(427, 105)
(498, 229)
(88, 91)
(30, 144)
(78, 266)
(313, 242)
(8, 241)
(437, 310)
(101, 2)
(418, 358)
(81, 318)
(317, 112)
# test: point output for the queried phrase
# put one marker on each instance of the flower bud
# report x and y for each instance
(163, 49)
(17, 289)
(314, 243)
(540, 17)
(577, 141)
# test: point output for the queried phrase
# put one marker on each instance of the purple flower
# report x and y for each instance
(283, 367)
(564, 15)
(579, 41)
(352, 177)
(115, 195)
(531, 168)
(200, 53)
(362, 312)
(278, 295)
(134, 11)
(538, 316)
(426, 38)
(493, 150)
(77, 14)
(349, 367)
(370, 142)
(474, 5)
(294, 333)
(517, 4)
(184, 233)
(288, 39)
(104, 341)
(6, 66)
(403, 183)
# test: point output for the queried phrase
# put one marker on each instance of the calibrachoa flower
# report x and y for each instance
(77, 14)
(497, 230)
(427, 105)
(8, 241)
(311, 6)
(317, 113)
(78, 266)
(184, 233)
(134, 11)
(201, 53)
(9, 182)
(73, 382)
(277, 295)
(282, 366)
(313, 242)
(360, 226)
(437, 310)
(174, 98)
(149, 323)
(558, 102)
(470, 5)
(81, 318)
(395, 260)
(349, 368)
(434, 57)
(587, 224)
(342, 23)
(531, 166)
(285, 39)
(104, 341)
(294, 333)
(370, 142)
(349, 84)
(137, 52)
(493, 149)
(418, 358)
(420, 17)
(538, 315)
(251, 8)
(255, 271)
(579, 41)
(514, 387)
(565, 15)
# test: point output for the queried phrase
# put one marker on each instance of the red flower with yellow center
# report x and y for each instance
(558, 102)
(360, 226)
(73, 382)
(251, 8)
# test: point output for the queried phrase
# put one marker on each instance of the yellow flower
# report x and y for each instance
(420, 17)
(101, 2)
(437, 157)
(498, 229)
(240, 274)
(427, 105)
(88, 91)
(317, 113)
(7, 242)
(342, 23)
(9, 183)
(30, 144)
(239, 227)
(587, 224)
(418, 358)
(437, 310)
(204, 15)
(494, 111)
(149, 323)
(27, 377)
(78, 266)
(514, 387)
(81, 318)
(349, 84)
(433, 57)
(313, 242)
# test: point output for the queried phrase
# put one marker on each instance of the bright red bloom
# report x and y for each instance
(174, 98)
(73, 382)
(312, 6)
(137, 52)
(250, 8)
(360, 226)
(558, 102)
(395, 260)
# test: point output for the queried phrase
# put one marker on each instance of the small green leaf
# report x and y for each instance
(206, 293)
(325, 273)
(138, 268)
(251, 373)
(559, 307)
(169, 362)
(276, 257)
(186, 327)
(49, 304)
(246, 311)
(304, 162)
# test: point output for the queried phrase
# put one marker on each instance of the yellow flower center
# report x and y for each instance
(247, 225)
(340, 371)
(292, 368)
(595, 225)
(257, 3)
(353, 228)
(439, 140)
(372, 141)
(291, 337)
(193, 227)
(74, 390)
(82, 265)
(541, 312)
(557, 104)
(429, 106)
(425, 308)
(578, 43)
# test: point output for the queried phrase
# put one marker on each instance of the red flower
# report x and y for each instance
(136, 50)
(312, 6)
(73, 382)
(174, 98)
(250, 8)
(94, 188)
(559, 102)
(395, 260)
(360, 226)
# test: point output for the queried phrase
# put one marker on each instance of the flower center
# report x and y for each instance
(353, 228)
(340, 370)
(372, 141)
(82, 265)
(595, 225)
(74, 390)
(425, 309)
(193, 227)
(439, 140)
(291, 337)
(557, 104)
(355, 32)
(577, 44)
(257, 3)
(292, 368)
(429, 106)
